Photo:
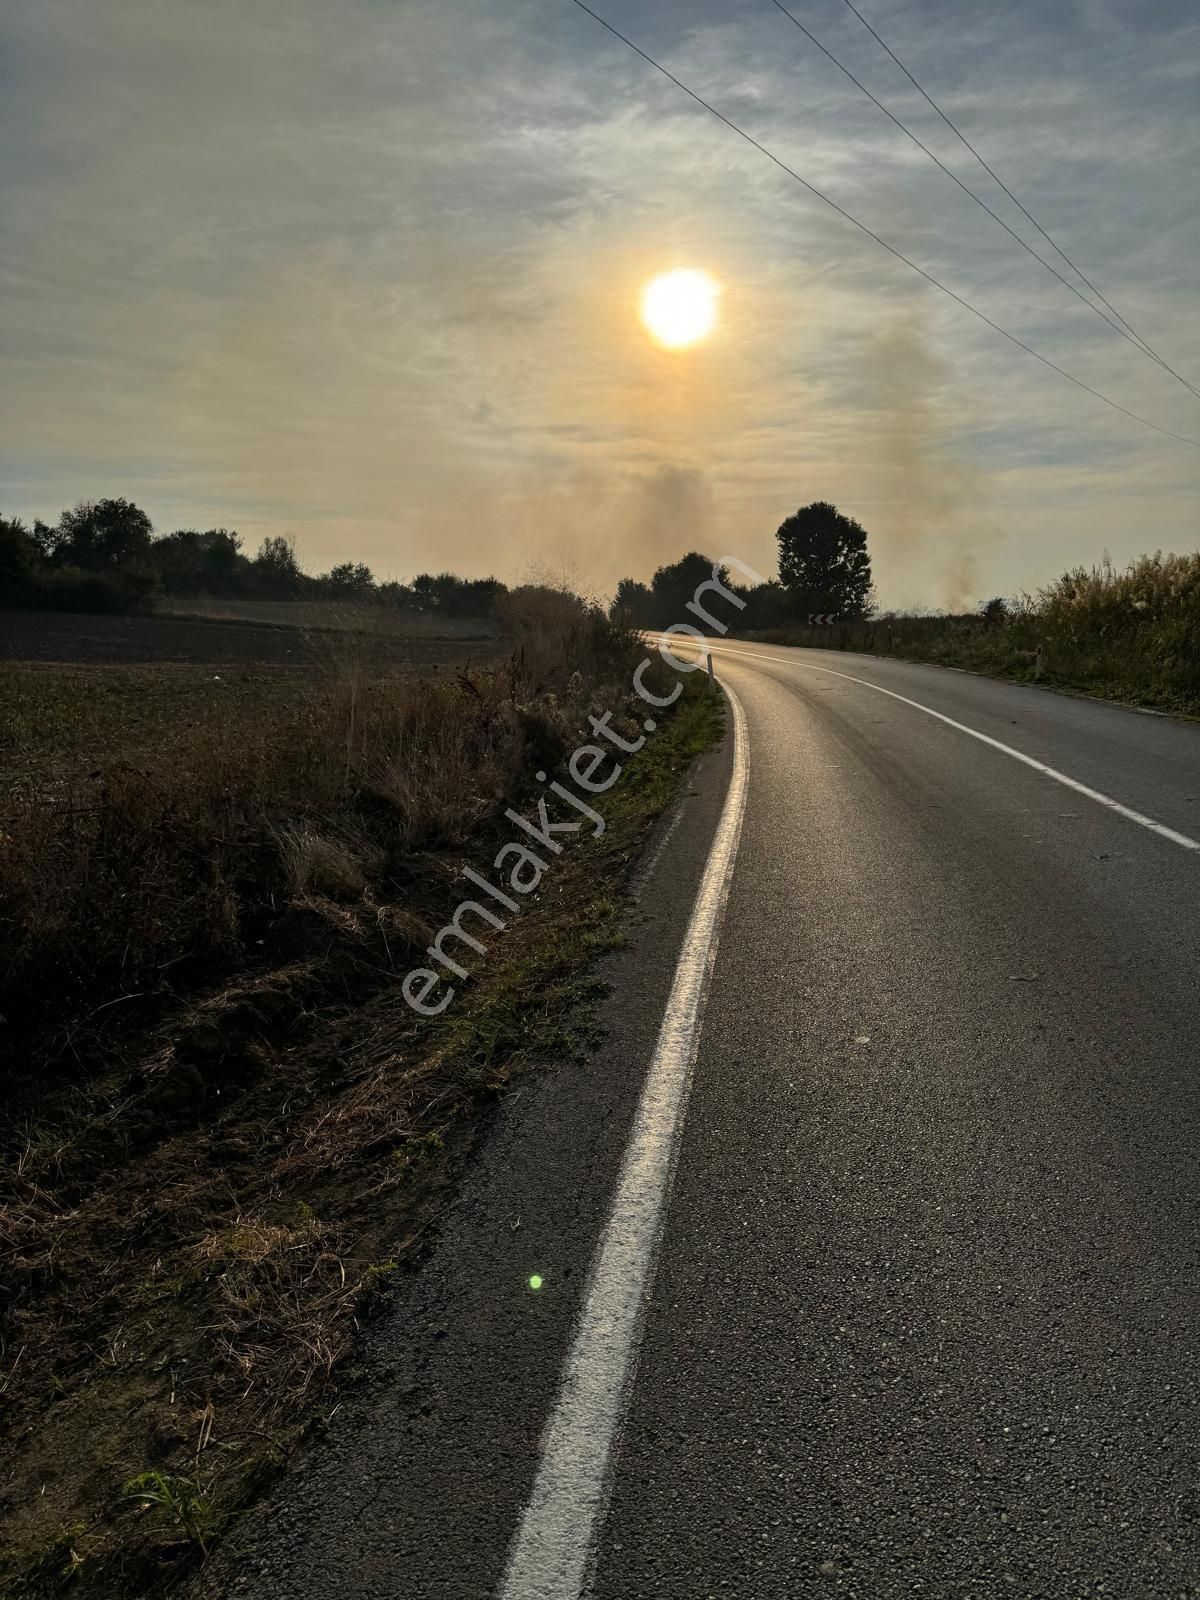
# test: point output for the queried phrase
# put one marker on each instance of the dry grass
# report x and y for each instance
(1131, 634)
(318, 864)
(223, 1125)
(284, 1308)
(112, 877)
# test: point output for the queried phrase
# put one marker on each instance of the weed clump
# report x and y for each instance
(179, 1504)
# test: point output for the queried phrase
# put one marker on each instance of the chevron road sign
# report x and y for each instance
(822, 619)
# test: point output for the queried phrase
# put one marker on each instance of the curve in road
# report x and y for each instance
(924, 1314)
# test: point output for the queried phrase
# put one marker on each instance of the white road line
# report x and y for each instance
(552, 1553)
(1105, 800)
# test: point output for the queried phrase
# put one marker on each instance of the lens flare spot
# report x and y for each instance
(535, 1281)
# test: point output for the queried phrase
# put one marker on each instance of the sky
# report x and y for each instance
(368, 273)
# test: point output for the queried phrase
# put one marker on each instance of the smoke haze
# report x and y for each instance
(931, 505)
(297, 281)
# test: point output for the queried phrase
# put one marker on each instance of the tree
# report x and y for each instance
(631, 603)
(103, 536)
(45, 537)
(349, 578)
(190, 562)
(456, 597)
(391, 592)
(674, 590)
(823, 561)
(768, 605)
(673, 585)
(224, 564)
(19, 559)
(276, 569)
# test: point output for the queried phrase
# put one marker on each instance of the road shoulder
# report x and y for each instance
(432, 1445)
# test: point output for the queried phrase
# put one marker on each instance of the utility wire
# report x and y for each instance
(993, 174)
(1138, 344)
(891, 249)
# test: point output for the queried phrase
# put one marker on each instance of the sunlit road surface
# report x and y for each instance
(924, 1315)
(925, 1318)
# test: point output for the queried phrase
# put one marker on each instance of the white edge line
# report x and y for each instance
(1143, 821)
(551, 1555)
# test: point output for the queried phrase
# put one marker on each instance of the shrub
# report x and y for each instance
(71, 589)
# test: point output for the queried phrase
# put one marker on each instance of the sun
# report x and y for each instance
(680, 308)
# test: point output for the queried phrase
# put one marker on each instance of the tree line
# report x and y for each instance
(824, 569)
(104, 555)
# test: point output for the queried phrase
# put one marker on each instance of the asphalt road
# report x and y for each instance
(924, 1316)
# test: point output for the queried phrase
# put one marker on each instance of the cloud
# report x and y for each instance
(368, 273)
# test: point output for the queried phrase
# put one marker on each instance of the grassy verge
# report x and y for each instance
(223, 1131)
(1132, 636)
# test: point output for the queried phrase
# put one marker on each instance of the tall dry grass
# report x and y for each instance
(136, 876)
(1131, 633)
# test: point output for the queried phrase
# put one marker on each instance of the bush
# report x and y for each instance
(557, 633)
(70, 589)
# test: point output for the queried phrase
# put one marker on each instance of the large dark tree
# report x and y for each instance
(275, 572)
(631, 604)
(19, 558)
(823, 561)
(673, 588)
(674, 585)
(191, 562)
(103, 536)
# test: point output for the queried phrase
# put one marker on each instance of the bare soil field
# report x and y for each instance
(326, 614)
(68, 637)
(60, 720)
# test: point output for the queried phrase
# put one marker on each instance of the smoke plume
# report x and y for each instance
(923, 535)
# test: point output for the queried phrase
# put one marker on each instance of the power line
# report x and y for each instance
(890, 248)
(993, 174)
(1127, 334)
